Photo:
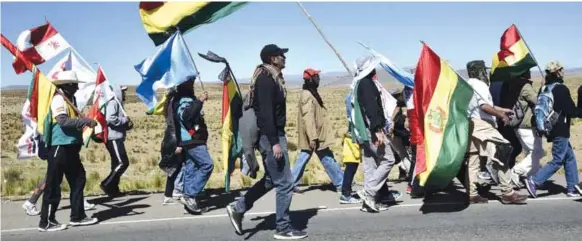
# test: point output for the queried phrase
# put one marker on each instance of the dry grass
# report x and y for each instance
(143, 145)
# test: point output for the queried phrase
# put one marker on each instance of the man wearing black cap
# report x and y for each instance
(267, 97)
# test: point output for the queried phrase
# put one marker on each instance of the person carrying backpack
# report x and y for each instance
(554, 111)
(520, 95)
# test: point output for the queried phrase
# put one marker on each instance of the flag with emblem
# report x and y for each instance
(514, 57)
(161, 19)
(38, 45)
(103, 94)
(441, 98)
(84, 73)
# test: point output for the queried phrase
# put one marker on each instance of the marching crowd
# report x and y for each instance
(504, 120)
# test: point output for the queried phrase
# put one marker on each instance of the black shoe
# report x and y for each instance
(579, 187)
(235, 218)
(84, 222)
(51, 226)
(289, 235)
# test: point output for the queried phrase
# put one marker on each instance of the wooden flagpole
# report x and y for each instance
(532, 55)
(324, 38)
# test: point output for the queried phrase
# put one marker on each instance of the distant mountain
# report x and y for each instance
(15, 87)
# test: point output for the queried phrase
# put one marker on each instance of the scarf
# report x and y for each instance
(310, 86)
(275, 74)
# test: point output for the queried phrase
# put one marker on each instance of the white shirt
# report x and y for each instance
(409, 100)
(481, 96)
(59, 106)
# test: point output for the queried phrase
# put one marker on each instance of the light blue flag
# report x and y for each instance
(404, 77)
(170, 66)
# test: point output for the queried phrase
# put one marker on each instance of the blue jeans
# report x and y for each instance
(327, 160)
(179, 182)
(278, 175)
(562, 155)
(197, 170)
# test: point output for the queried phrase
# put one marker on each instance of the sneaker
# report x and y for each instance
(349, 200)
(235, 218)
(531, 187)
(177, 194)
(478, 199)
(367, 201)
(30, 209)
(513, 198)
(169, 201)
(391, 198)
(382, 207)
(52, 226)
(84, 222)
(289, 235)
(88, 206)
(578, 187)
(191, 204)
(572, 194)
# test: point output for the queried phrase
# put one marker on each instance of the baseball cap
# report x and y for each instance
(476, 64)
(270, 50)
(308, 73)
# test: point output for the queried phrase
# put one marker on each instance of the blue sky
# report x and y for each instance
(111, 33)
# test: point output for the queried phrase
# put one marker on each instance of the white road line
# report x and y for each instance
(271, 212)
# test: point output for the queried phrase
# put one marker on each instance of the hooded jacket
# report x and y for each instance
(116, 120)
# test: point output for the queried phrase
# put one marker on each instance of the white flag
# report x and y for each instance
(84, 73)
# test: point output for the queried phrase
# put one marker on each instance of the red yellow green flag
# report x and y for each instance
(513, 59)
(441, 98)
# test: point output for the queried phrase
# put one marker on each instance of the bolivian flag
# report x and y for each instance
(441, 98)
(40, 95)
(513, 59)
(160, 19)
(231, 113)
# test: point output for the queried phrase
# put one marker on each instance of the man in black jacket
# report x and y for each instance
(268, 99)
(562, 152)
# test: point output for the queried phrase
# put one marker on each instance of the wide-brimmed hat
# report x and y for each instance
(66, 77)
(553, 66)
(364, 66)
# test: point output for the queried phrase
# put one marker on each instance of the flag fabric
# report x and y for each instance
(170, 66)
(404, 77)
(513, 58)
(231, 113)
(161, 19)
(38, 45)
(27, 146)
(40, 96)
(84, 73)
(441, 99)
(103, 94)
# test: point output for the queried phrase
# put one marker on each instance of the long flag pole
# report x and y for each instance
(324, 38)
(189, 54)
(532, 55)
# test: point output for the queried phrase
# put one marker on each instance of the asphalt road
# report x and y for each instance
(441, 217)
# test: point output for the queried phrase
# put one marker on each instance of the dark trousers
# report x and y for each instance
(277, 175)
(119, 164)
(349, 174)
(63, 160)
(410, 176)
(170, 183)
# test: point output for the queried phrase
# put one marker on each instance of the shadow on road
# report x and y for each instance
(552, 189)
(453, 200)
(299, 220)
(119, 209)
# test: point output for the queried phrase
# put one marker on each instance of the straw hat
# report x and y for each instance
(66, 77)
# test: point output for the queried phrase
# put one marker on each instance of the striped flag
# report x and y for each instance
(441, 98)
(160, 19)
(513, 59)
(231, 113)
(38, 45)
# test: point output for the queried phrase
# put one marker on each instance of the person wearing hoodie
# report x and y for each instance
(117, 126)
(313, 127)
(562, 152)
(192, 137)
(64, 144)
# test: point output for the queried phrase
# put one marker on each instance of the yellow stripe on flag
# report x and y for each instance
(168, 15)
(436, 118)
(227, 134)
(45, 92)
(519, 50)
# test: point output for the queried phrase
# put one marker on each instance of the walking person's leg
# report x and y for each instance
(559, 149)
(179, 182)
(197, 171)
(168, 200)
(299, 167)
(76, 177)
(332, 168)
(571, 169)
(378, 162)
(349, 174)
(29, 205)
(52, 191)
(119, 164)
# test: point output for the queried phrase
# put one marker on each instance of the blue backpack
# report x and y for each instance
(545, 116)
